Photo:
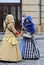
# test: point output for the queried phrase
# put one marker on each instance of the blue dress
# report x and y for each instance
(28, 46)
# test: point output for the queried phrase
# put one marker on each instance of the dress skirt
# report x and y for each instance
(9, 49)
(29, 49)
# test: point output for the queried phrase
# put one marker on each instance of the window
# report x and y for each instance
(0, 12)
(19, 14)
(13, 11)
(5, 12)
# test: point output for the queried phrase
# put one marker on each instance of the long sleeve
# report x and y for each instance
(31, 29)
(12, 28)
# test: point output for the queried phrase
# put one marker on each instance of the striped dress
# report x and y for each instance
(29, 49)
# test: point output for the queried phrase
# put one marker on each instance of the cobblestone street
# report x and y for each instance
(26, 62)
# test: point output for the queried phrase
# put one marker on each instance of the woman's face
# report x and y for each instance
(27, 21)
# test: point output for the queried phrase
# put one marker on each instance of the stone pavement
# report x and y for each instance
(40, 40)
(26, 62)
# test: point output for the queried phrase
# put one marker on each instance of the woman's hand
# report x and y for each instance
(18, 33)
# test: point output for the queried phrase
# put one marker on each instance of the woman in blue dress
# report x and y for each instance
(28, 47)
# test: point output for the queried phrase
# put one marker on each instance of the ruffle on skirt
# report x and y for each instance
(29, 49)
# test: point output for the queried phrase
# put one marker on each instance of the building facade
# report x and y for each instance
(35, 8)
(17, 8)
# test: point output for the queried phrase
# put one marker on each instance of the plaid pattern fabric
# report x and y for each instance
(31, 51)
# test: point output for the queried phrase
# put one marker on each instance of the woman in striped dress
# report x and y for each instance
(28, 46)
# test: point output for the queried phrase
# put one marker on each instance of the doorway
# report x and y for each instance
(15, 10)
